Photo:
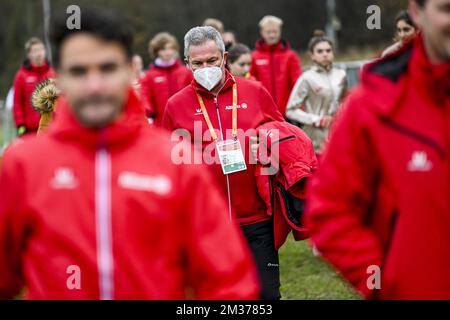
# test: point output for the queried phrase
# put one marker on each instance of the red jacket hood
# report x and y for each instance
(282, 45)
(128, 125)
(386, 75)
(229, 81)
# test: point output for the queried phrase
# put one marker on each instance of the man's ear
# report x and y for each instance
(225, 58)
(415, 11)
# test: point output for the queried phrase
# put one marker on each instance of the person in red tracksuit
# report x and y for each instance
(95, 208)
(378, 207)
(166, 76)
(34, 70)
(213, 95)
(274, 63)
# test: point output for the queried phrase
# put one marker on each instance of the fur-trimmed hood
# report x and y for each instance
(45, 95)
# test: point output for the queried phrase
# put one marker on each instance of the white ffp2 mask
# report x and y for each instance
(208, 77)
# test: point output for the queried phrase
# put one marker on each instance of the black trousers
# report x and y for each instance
(262, 244)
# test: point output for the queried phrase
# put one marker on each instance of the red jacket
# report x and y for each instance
(278, 68)
(381, 195)
(24, 84)
(282, 174)
(255, 106)
(159, 84)
(112, 204)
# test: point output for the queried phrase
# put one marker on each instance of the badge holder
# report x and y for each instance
(231, 156)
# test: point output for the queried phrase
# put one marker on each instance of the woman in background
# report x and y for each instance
(405, 30)
(239, 60)
(318, 93)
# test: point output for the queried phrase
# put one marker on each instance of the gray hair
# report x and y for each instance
(200, 35)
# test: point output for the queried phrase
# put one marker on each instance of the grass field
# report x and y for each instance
(305, 277)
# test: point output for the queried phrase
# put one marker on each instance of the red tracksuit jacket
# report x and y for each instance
(159, 84)
(292, 160)
(112, 205)
(381, 195)
(278, 68)
(255, 107)
(24, 84)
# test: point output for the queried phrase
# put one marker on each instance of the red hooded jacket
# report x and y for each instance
(24, 84)
(278, 68)
(159, 84)
(110, 208)
(282, 174)
(255, 107)
(380, 198)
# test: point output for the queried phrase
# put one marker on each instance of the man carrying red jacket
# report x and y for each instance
(96, 209)
(379, 207)
(274, 63)
(221, 113)
(34, 70)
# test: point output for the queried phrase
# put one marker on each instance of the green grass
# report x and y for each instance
(305, 277)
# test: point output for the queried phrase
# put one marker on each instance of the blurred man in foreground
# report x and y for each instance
(96, 209)
(379, 207)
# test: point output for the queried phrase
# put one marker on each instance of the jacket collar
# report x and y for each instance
(387, 75)
(174, 65)
(229, 81)
(282, 45)
(36, 69)
(432, 79)
(318, 68)
(120, 132)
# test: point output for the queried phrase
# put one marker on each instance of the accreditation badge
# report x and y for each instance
(231, 156)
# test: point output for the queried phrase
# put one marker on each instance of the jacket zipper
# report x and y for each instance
(283, 139)
(226, 176)
(414, 135)
(170, 80)
(272, 71)
(389, 240)
(103, 223)
(330, 83)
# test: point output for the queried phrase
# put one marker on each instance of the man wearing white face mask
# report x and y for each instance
(226, 109)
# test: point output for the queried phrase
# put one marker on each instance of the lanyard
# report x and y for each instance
(234, 114)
